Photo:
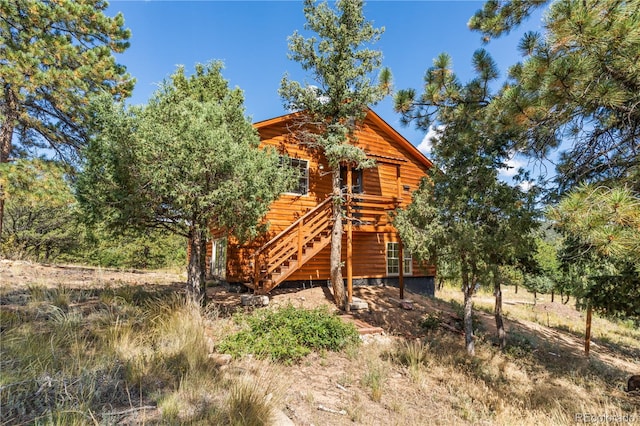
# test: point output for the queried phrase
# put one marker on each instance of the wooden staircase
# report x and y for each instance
(285, 253)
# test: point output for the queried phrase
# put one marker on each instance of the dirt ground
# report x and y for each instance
(323, 389)
(17, 274)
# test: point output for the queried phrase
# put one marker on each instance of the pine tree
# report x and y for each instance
(54, 57)
(579, 84)
(186, 161)
(463, 213)
(601, 230)
(39, 219)
(334, 108)
(600, 256)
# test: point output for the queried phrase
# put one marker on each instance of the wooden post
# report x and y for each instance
(398, 182)
(400, 248)
(256, 273)
(349, 240)
(300, 240)
(587, 334)
(401, 269)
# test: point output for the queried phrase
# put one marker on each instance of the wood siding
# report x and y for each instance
(398, 171)
(369, 259)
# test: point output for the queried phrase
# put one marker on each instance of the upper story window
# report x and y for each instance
(302, 168)
(356, 179)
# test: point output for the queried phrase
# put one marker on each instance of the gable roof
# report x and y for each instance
(376, 119)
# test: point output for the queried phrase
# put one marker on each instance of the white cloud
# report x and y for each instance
(512, 167)
(526, 185)
(427, 144)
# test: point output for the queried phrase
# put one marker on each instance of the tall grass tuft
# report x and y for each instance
(374, 378)
(248, 404)
(172, 346)
(412, 354)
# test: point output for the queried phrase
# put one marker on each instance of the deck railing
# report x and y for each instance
(305, 237)
(372, 209)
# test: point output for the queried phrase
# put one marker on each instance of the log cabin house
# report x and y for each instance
(296, 248)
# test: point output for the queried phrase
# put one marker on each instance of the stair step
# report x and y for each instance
(316, 239)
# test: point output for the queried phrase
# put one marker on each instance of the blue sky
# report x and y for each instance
(250, 37)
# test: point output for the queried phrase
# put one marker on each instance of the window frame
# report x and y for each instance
(407, 261)
(219, 258)
(303, 174)
(357, 180)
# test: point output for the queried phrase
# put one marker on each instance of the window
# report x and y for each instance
(356, 179)
(302, 167)
(393, 260)
(219, 258)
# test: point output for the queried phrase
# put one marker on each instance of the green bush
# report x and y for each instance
(430, 322)
(289, 334)
(519, 346)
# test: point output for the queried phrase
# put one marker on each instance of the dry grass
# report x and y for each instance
(542, 377)
(88, 357)
(441, 385)
(113, 351)
(554, 315)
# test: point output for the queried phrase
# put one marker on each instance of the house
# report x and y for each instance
(296, 248)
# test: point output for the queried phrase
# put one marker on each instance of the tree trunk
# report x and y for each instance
(337, 283)
(467, 288)
(552, 295)
(469, 338)
(196, 267)
(587, 334)
(516, 292)
(10, 114)
(497, 291)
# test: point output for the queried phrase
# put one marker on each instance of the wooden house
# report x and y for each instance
(296, 248)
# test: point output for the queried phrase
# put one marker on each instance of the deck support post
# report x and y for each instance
(401, 268)
(400, 247)
(349, 240)
(256, 273)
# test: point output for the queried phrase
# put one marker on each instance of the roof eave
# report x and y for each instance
(377, 120)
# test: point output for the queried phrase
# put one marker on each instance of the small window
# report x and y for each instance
(219, 258)
(356, 179)
(393, 260)
(302, 167)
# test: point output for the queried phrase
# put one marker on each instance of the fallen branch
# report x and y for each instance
(130, 410)
(450, 328)
(342, 388)
(332, 411)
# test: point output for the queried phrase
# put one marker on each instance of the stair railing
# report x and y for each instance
(281, 248)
